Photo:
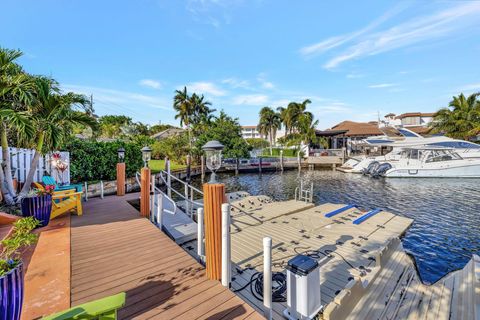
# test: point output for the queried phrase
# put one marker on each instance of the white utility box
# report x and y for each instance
(303, 288)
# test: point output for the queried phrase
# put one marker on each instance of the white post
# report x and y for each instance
(200, 233)
(101, 189)
(86, 191)
(267, 276)
(152, 196)
(160, 210)
(169, 180)
(226, 259)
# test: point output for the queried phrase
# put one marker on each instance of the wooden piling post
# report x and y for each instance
(260, 165)
(281, 160)
(120, 179)
(189, 164)
(299, 161)
(213, 197)
(145, 192)
(202, 164)
(237, 164)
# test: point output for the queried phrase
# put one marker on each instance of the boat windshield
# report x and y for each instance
(441, 155)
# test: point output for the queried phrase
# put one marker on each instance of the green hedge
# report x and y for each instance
(276, 152)
(92, 160)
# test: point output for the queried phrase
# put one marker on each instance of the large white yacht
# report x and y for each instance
(433, 162)
(409, 139)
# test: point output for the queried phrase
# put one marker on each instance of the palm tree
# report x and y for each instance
(16, 90)
(185, 111)
(268, 125)
(53, 114)
(291, 114)
(201, 108)
(461, 119)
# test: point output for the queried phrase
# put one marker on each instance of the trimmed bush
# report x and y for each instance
(93, 160)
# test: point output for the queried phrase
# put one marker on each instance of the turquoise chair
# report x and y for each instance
(48, 180)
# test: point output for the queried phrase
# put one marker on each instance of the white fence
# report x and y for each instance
(21, 159)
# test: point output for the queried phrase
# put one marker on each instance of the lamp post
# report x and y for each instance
(213, 198)
(213, 152)
(146, 156)
(145, 183)
(121, 172)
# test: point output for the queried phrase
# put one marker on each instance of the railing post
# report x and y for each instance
(267, 276)
(189, 163)
(169, 179)
(226, 259)
(187, 203)
(192, 207)
(152, 196)
(101, 189)
(160, 210)
(200, 252)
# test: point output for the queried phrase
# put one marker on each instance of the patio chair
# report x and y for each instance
(48, 180)
(103, 309)
(66, 201)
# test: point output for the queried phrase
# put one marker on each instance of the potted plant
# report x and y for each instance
(38, 203)
(11, 267)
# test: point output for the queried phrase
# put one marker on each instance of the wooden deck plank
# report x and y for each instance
(113, 250)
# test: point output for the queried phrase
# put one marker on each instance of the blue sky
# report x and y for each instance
(353, 59)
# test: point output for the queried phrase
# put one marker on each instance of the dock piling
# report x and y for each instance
(226, 253)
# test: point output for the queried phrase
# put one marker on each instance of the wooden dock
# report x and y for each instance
(365, 272)
(114, 250)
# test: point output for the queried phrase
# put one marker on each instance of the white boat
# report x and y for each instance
(429, 162)
(410, 139)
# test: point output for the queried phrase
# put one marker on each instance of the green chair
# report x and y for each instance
(48, 180)
(102, 309)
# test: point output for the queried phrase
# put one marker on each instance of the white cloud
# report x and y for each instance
(237, 83)
(250, 99)
(118, 101)
(354, 75)
(261, 78)
(471, 87)
(382, 85)
(150, 83)
(206, 88)
(337, 41)
(416, 30)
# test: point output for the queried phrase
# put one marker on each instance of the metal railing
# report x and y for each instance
(187, 194)
(304, 194)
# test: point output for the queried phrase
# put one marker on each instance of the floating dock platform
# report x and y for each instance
(364, 271)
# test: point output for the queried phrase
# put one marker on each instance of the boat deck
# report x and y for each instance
(365, 272)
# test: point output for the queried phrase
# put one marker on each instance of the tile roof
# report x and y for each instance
(416, 114)
(358, 128)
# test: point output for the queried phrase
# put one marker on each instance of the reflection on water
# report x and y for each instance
(446, 230)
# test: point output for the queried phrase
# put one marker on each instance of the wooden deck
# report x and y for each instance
(114, 250)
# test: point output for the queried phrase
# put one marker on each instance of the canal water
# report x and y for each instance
(446, 212)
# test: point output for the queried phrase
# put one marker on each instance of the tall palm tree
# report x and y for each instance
(52, 115)
(268, 125)
(461, 119)
(291, 114)
(16, 90)
(185, 110)
(201, 108)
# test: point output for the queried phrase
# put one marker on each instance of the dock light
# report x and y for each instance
(146, 155)
(213, 152)
(121, 155)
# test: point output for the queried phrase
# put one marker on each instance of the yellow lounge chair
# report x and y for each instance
(64, 201)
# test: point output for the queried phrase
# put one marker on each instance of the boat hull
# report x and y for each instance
(464, 171)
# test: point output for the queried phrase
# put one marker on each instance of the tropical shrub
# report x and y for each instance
(20, 238)
(257, 143)
(93, 160)
(174, 147)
